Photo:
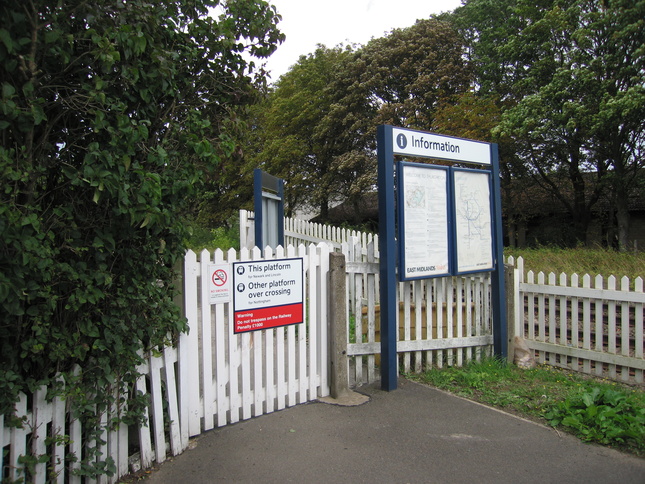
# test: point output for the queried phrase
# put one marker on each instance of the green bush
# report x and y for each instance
(111, 115)
(602, 415)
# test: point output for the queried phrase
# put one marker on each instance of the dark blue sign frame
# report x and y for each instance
(429, 145)
(268, 195)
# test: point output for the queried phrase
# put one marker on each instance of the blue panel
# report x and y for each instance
(500, 324)
(387, 248)
(269, 209)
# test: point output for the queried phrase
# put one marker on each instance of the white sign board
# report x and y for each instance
(219, 276)
(473, 223)
(267, 294)
(427, 145)
(424, 221)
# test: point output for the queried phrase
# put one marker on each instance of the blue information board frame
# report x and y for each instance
(429, 145)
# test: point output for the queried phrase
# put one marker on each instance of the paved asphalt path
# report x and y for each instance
(415, 434)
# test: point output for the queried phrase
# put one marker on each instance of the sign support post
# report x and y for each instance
(498, 296)
(387, 249)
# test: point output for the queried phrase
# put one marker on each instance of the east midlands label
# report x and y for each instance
(428, 145)
(267, 294)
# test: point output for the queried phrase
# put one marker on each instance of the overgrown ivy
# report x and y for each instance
(110, 115)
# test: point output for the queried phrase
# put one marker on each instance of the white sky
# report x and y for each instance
(307, 23)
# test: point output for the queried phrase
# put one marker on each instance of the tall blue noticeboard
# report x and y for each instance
(449, 223)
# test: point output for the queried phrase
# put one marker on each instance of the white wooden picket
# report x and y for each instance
(231, 377)
(297, 231)
(596, 328)
(456, 328)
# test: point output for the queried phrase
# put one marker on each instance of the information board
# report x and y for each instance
(423, 220)
(473, 220)
(267, 294)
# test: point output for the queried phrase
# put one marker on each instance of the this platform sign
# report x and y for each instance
(267, 294)
(219, 283)
(424, 221)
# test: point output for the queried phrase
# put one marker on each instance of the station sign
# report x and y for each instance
(267, 294)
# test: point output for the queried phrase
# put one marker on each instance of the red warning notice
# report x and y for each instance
(268, 318)
(267, 294)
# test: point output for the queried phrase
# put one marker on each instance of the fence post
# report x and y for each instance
(509, 272)
(340, 393)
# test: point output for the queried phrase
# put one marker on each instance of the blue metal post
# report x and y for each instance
(500, 330)
(387, 248)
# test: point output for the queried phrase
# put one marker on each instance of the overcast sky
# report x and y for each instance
(307, 23)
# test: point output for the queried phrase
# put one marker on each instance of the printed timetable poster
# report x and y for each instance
(424, 216)
(473, 220)
(267, 294)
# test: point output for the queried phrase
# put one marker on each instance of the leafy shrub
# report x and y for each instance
(111, 114)
(602, 415)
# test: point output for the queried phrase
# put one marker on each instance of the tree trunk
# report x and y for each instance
(622, 219)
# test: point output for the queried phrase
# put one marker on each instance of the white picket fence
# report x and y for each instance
(213, 377)
(297, 231)
(595, 327)
(457, 327)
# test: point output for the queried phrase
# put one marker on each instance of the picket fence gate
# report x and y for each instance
(595, 328)
(231, 376)
(213, 377)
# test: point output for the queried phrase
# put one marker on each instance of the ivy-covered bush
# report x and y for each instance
(110, 115)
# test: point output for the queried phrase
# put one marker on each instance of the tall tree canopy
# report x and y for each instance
(571, 75)
(318, 126)
(110, 114)
(310, 130)
(411, 72)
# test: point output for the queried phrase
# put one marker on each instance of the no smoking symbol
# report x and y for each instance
(219, 277)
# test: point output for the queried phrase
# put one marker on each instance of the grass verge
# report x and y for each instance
(601, 411)
(581, 261)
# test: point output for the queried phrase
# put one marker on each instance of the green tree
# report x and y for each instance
(570, 73)
(308, 131)
(318, 127)
(409, 73)
(110, 114)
